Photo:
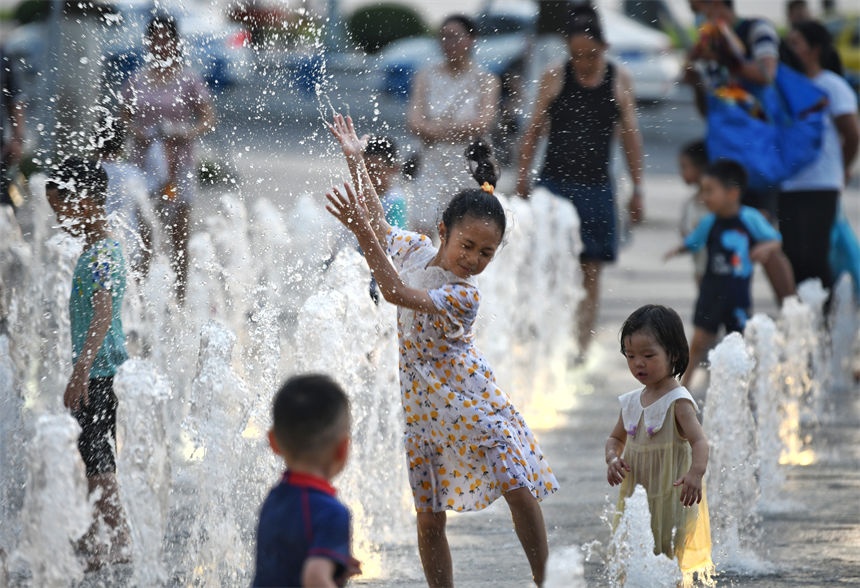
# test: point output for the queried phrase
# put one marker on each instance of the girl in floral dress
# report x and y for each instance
(465, 442)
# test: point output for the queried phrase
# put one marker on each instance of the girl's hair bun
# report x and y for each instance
(485, 168)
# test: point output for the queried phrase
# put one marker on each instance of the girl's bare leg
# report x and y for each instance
(530, 528)
(108, 510)
(434, 550)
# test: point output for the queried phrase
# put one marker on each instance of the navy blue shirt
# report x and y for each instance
(729, 242)
(301, 518)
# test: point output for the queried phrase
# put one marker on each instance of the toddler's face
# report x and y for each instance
(71, 214)
(690, 173)
(646, 358)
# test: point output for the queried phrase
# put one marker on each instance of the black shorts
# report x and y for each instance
(98, 427)
(714, 308)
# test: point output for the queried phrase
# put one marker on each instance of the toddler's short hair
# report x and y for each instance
(382, 147)
(666, 326)
(77, 178)
(697, 152)
(729, 173)
(310, 413)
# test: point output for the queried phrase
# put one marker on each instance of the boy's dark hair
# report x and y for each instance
(666, 326)
(308, 413)
(382, 147)
(793, 5)
(162, 25)
(697, 152)
(729, 173)
(77, 178)
(478, 202)
(109, 135)
(461, 19)
(583, 20)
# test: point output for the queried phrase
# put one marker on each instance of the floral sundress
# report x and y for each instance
(466, 444)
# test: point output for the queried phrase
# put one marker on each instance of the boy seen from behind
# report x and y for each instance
(303, 538)
(77, 194)
(735, 237)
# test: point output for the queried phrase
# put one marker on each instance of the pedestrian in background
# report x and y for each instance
(167, 107)
(580, 104)
(452, 104)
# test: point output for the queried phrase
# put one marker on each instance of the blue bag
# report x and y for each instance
(844, 251)
(774, 137)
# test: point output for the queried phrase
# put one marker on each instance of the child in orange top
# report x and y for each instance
(664, 446)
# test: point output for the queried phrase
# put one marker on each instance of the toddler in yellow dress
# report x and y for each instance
(664, 447)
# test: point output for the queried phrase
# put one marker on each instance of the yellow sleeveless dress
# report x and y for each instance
(657, 456)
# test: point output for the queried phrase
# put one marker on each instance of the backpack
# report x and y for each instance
(773, 130)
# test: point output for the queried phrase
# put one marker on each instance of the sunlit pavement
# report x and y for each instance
(816, 542)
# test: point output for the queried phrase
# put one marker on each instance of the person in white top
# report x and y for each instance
(452, 103)
(808, 200)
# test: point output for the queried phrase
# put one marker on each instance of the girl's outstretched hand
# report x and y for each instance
(348, 209)
(691, 488)
(616, 470)
(344, 131)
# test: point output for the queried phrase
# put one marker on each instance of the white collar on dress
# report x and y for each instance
(655, 413)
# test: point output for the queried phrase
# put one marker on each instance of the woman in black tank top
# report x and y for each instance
(580, 105)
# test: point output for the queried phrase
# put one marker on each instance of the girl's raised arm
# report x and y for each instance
(353, 149)
(353, 214)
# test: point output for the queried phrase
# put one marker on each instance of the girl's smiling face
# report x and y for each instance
(646, 359)
(469, 246)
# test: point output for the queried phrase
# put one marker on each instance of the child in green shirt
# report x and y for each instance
(77, 195)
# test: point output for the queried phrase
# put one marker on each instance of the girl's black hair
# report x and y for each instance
(463, 20)
(817, 36)
(665, 325)
(478, 202)
(583, 20)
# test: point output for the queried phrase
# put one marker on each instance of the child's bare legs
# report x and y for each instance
(434, 550)
(109, 510)
(587, 310)
(702, 341)
(530, 528)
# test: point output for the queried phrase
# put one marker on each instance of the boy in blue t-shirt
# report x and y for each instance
(77, 194)
(735, 237)
(303, 538)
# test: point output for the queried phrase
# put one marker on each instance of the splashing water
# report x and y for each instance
(632, 562)
(844, 328)
(143, 465)
(764, 343)
(731, 477)
(564, 568)
(56, 510)
(797, 323)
